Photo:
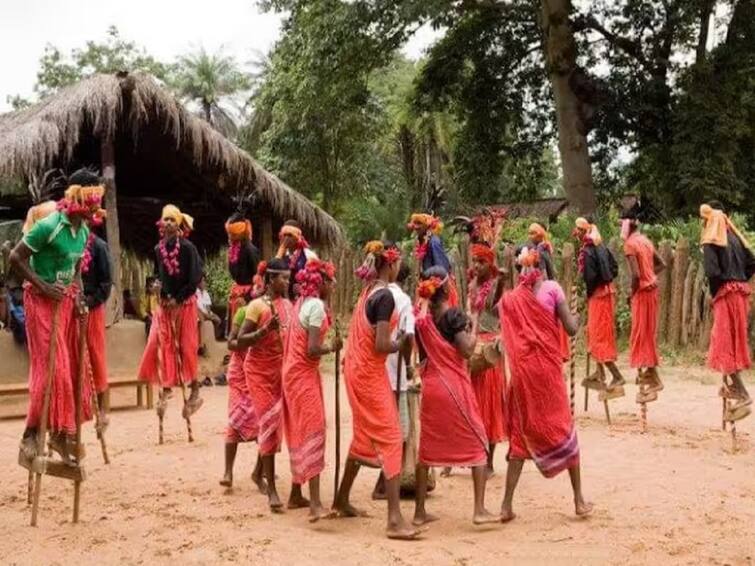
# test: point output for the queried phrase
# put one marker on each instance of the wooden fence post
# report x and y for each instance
(698, 292)
(688, 301)
(567, 269)
(679, 273)
(665, 289)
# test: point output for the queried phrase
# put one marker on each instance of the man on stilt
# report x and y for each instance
(644, 265)
(47, 259)
(429, 250)
(729, 264)
(174, 326)
(599, 269)
(377, 438)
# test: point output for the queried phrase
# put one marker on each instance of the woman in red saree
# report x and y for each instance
(242, 418)
(303, 404)
(262, 332)
(538, 419)
(377, 440)
(451, 430)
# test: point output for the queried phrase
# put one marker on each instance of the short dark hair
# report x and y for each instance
(293, 223)
(276, 264)
(85, 177)
(403, 273)
(716, 205)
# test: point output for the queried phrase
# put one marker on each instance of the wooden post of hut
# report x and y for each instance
(107, 157)
(665, 289)
(678, 275)
(267, 237)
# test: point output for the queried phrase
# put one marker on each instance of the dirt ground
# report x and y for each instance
(676, 495)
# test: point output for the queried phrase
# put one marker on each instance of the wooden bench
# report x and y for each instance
(144, 392)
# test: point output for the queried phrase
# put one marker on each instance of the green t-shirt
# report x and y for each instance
(56, 248)
(238, 318)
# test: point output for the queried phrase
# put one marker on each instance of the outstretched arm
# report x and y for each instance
(570, 322)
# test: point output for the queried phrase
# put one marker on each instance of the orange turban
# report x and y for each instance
(484, 253)
(237, 231)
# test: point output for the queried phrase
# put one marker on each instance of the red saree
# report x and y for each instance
(643, 343)
(236, 298)
(488, 388)
(263, 368)
(377, 437)
(303, 404)
(39, 317)
(185, 318)
(601, 336)
(451, 430)
(96, 346)
(729, 350)
(538, 420)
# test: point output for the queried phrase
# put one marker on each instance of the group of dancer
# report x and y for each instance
(490, 372)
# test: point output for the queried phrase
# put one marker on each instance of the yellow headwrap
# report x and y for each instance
(537, 231)
(591, 230)
(716, 224)
(431, 222)
(173, 212)
(37, 213)
(79, 194)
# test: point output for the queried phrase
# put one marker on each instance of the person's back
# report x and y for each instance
(639, 246)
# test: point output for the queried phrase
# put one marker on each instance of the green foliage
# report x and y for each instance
(217, 277)
(210, 80)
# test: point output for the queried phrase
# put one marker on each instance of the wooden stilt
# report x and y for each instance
(337, 477)
(587, 391)
(42, 432)
(161, 400)
(643, 406)
(78, 395)
(572, 352)
(179, 371)
(95, 401)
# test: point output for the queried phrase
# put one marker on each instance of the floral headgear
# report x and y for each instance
(484, 253)
(374, 250)
(426, 290)
(312, 276)
(432, 223)
(587, 232)
(529, 260)
(84, 201)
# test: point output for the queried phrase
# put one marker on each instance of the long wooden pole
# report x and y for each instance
(337, 478)
(572, 351)
(179, 370)
(42, 432)
(77, 396)
(112, 228)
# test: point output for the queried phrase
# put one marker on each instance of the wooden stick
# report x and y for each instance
(607, 410)
(161, 401)
(643, 406)
(572, 351)
(337, 477)
(42, 432)
(179, 371)
(78, 395)
(587, 391)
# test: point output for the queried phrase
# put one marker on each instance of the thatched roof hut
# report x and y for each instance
(545, 210)
(153, 151)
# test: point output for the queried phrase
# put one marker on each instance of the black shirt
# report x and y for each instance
(183, 285)
(451, 323)
(600, 267)
(244, 270)
(380, 306)
(97, 280)
(735, 262)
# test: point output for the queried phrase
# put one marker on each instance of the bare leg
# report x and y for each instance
(617, 379)
(297, 500)
(513, 471)
(421, 516)
(343, 506)
(316, 510)
(378, 493)
(268, 467)
(397, 527)
(491, 452)
(258, 476)
(230, 458)
(739, 386)
(481, 515)
(581, 507)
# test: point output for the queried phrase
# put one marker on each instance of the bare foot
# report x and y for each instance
(276, 506)
(583, 508)
(489, 471)
(348, 511)
(507, 515)
(318, 512)
(485, 517)
(227, 480)
(423, 518)
(445, 473)
(298, 502)
(260, 482)
(401, 530)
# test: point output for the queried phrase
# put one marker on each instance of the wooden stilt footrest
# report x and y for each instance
(50, 467)
(613, 393)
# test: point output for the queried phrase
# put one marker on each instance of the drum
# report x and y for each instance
(486, 356)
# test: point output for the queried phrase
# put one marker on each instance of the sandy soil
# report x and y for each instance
(674, 495)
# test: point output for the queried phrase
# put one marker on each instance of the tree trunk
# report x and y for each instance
(706, 10)
(115, 303)
(268, 242)
(561, 57)
(207, 110)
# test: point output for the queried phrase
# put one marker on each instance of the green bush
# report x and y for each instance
(218, 278)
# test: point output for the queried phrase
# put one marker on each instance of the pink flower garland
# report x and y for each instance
(86, 257)
(481, 296)
(421, 250)
(234, 252)
(169, 259)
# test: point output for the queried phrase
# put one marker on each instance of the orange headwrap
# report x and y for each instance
(716, 225)
(484, 253)
(429, 221)
(238, 231)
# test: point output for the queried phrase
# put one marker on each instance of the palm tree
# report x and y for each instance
(211, 80)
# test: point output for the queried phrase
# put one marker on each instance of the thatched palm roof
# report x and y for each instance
(163, 153)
